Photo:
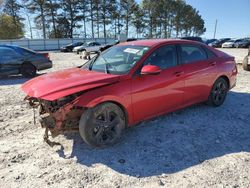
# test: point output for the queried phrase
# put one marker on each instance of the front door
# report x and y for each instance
(153, 95)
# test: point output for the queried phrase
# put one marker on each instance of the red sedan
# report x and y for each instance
(130, 83)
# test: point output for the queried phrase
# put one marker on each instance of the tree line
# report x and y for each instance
(100, 18)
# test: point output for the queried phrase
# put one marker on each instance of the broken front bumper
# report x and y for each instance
(57, 116)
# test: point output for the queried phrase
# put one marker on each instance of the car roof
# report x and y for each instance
(15, 47)
(7, 45)
(154, 42)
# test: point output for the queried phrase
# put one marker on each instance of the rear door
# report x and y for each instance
(156, 94)
(10, 60)
(200, 71)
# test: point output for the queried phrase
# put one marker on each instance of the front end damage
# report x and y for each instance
(57, 116)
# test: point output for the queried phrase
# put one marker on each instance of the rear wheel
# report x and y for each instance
(28, 70)
(102, 125)
(218, 93)
(245, 64)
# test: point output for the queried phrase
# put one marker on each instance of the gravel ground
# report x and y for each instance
(199, 146)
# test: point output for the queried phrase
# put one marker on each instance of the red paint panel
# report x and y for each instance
(141, 96)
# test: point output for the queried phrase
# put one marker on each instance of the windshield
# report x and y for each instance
(118, 59)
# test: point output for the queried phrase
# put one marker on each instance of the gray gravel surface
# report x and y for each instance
(199, 146)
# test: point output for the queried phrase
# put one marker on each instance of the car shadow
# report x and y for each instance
(14, 79)
(174, 142)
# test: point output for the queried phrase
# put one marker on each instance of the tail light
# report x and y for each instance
(235, 70)
(46, 55)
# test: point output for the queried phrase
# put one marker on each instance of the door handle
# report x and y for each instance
(212, 63)
(178, 73)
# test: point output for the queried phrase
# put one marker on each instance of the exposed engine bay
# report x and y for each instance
(59, 115)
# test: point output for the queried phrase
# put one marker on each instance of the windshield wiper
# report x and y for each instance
(106, 64)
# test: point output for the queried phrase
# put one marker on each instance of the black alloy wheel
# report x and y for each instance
(102, 126)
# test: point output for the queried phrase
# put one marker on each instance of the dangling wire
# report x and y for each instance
(34, 115)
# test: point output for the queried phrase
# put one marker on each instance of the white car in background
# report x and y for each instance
(89, 47)
(230, 43)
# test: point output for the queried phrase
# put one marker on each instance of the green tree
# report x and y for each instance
(128, 9)
(71, 12)
(84, 6)
(7, 25)
(13, 8)
(51, 12)
(138, 20)
(149, 8)
(63, 28)
(162, 17)
(106, 8)
(38, 7)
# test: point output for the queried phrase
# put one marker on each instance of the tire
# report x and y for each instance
(245, 64)
(28, 70)
(218, 93)
(102, 125)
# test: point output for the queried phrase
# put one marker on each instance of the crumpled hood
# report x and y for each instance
(66, 82)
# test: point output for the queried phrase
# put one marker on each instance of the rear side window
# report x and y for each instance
(192, 53)
(210, 54)
(163, 57)
(26, 51)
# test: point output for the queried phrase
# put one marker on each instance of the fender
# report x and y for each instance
(110, 93)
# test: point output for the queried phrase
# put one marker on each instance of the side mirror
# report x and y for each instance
(150, 69)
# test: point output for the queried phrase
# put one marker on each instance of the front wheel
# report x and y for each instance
(102, 125)
(218, 93)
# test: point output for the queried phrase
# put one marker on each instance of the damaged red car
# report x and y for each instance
(129, 83)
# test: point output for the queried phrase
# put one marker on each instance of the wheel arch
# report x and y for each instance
(28, 62)
(225, 78)
(107, 99)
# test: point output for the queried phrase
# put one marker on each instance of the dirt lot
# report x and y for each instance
(199, 146)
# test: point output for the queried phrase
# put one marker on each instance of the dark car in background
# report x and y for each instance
(231, 43)
(19, 60)
(107, 46)
(198, 39)
(70, 47)
(209, 41)
(244, 43)
(218, 43)
(131, 39)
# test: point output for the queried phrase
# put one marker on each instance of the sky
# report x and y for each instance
(233, 17)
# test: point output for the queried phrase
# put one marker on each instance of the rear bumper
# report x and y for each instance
(45, 65)
(233, 79)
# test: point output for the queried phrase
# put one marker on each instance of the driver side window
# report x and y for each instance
(163, 57)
